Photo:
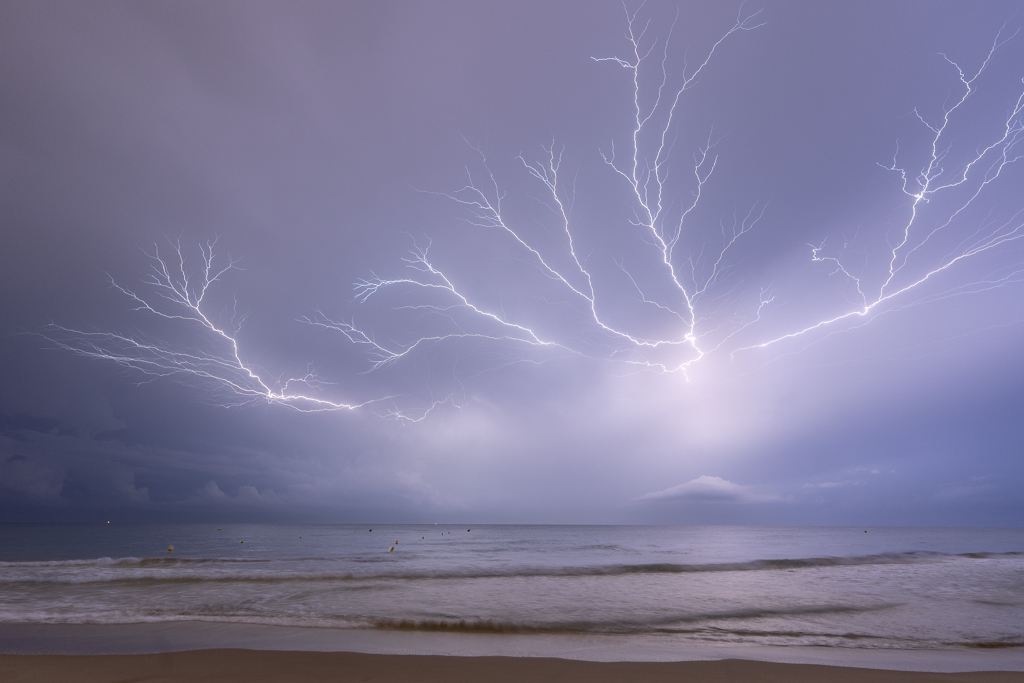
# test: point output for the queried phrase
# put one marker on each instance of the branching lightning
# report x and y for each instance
(178, 294)
(932, 182)
(692, 265)
(645, 174)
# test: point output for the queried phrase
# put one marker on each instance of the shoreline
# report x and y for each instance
(341, 667)
(161, 638)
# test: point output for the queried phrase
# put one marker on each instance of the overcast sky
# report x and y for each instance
(606, 379)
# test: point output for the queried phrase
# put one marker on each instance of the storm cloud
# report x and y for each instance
(317, 145)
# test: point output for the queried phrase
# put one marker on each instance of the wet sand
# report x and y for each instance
(253, 666)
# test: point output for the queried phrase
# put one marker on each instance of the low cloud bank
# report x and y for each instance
(708, 489)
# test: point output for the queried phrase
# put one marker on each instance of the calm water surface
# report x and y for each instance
(887, 588)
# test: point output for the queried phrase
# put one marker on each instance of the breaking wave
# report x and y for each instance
(133, 570)
(677, 623)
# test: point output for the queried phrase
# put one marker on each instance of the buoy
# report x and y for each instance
(218, 528)
(241, 541)
(467, 530)
(300, 536)
(170, 548)
(392, 549)
(371, 529)
(422, 537)
(108, 521)
(396, 542)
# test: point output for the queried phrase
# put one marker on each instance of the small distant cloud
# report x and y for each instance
(832, 484)
(710, 489)
(244, 495)
(956, 492)
(124, 484)
(212, 492)
(250, 494)
(869, 470)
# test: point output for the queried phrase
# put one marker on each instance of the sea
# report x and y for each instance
(839, 588)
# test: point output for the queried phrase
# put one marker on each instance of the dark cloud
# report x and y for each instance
(312, 139)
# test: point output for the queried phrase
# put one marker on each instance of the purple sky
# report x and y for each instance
(526, 381)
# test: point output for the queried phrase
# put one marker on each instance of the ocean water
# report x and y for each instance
(888, 588)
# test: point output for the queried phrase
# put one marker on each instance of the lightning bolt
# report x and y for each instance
(691, 284)
(645, 176)
(178, 294)
(934, 181)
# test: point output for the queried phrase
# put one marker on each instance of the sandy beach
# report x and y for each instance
(261, 665)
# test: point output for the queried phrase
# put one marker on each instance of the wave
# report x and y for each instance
(708, 624)
(122, 570)
(128, 562)
(677, 624)
(713, 627)
(991, 644)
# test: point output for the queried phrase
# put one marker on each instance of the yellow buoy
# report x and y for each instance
(241, 541)
(170, 548)
(392, 549)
